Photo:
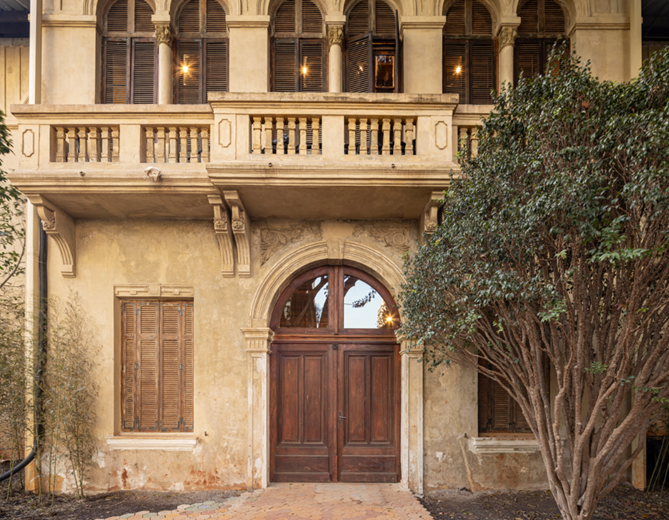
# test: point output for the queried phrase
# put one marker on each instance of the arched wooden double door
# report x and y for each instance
(334, 391)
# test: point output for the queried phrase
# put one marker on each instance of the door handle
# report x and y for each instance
(341, 417)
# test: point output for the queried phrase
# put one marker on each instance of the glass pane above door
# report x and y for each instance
(364, 307)
(308, 306)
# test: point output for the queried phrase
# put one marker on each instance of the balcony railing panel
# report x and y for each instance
(286, 135)
(176, 144)
(86, 144)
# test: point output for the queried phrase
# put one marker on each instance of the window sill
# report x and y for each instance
(167, 443)
(496, 445)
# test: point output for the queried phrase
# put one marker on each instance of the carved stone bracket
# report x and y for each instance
(241, 228)
(429, 220)
(154, 290)
(60, 226)
(507, 36)
(164, 33)
(224, 235)
(335, 35)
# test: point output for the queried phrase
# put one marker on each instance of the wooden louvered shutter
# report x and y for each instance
(526, 58)
(554, 22)
(144, 65)
(359, 63)
(117, 17)
(285, 66)
(147, 371)
(455, 19)
(189, 19)
(129, 349)
(217, 67)
(484, 403)
(188, 53)
(215, 17)
(116, 71)
(455, 55)
(188, 358)
(482, 71)
(170, 371)
(520, 423)
(312, 19)
(481, 19)
(529, 17)
(284, 21)
(385, 19)
(311, 57)
(143, 14)
(501, 408)
(358, 20)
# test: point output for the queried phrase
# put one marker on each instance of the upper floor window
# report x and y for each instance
(130, 53)
(469, 52)
(298, 48)
(542, 23)
(201, 51)
(372, 48)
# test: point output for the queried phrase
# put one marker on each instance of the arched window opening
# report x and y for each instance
(542, 23)
(130, 53)
(298, 48)
(372, 48)
(469, 52)
(201, 51)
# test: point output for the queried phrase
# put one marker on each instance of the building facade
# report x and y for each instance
(230, 188)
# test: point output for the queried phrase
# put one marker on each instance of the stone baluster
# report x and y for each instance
(475, 142)
(397, 145)
(183, 144)
(302, 150)
(463, 139)
(351, 136)
(257, 135)
(315, 136)
(116, 146)
(60, 144)
(148, 133)
(386, 137)
(160, 153)
(93, 149)
(269, 124)
(83, 141)
(71, 144)
(408, 132)
(291, 136)
(104, 140)
(205, 144)
(280, 150)
(374, 129)
(193, 158)
(363, 136)
(173, 144)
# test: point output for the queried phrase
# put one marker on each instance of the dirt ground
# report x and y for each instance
(624, 502)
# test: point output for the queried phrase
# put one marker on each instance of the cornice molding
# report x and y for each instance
(68, 20)
(423, 22)
(247, 22)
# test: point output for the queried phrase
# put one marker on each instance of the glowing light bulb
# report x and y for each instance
(360, 67)
(389, 319)
(184, 68)
(458, 69)
(304, 70)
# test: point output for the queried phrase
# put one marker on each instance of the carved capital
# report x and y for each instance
(430, 219)
(223, 235)
(335, 35)
(60, 226)
(164, 33)
(507, 36)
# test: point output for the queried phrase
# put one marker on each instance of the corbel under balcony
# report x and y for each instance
(61, 227)
(241, 228)
(224, 235)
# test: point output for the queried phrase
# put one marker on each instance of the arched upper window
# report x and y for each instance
(298, 48)
(130, 53)
(372, 48)
(201, 51)
(542, 23)
(469, 52)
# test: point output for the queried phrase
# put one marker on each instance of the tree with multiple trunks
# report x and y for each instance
(552, 251)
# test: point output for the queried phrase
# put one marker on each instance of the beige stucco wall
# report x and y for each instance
(607, 50)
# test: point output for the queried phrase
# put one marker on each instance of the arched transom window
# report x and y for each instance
(298, 48)
(542, 23)
(469, 52)
(130, 53)
(372, 48)
(201, 51)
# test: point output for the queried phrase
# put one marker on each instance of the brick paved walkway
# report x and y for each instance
(303, 502)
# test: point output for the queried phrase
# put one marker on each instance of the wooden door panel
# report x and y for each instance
(381, 425)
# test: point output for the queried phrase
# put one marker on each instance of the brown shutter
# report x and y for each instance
(117, 18)
(148, 350)
(129, 350)
(521, 424)
(217, 67)
(285, 66)
(501, 408)
(144, 64)
(312, 19)
(284, 21)
(189, 19)
(143, 14)
(481, 19)
(526, 58)
(188, 355)
(170, 372)
(455, 19)
(116, 71)
(188, 53)
(311, 57)
(484, 411)
(358, 20)
(482, 71)
(529, 17)
(215, 17)
(554, 18)
(385, 19)
(455, 55)
(359, 62)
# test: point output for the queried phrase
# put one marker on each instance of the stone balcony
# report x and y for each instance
(285, 155)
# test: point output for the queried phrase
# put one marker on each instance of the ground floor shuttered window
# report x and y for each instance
(498, 411)
(157, 366)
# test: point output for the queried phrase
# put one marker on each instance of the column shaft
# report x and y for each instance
(335, 37)
(507, 38)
